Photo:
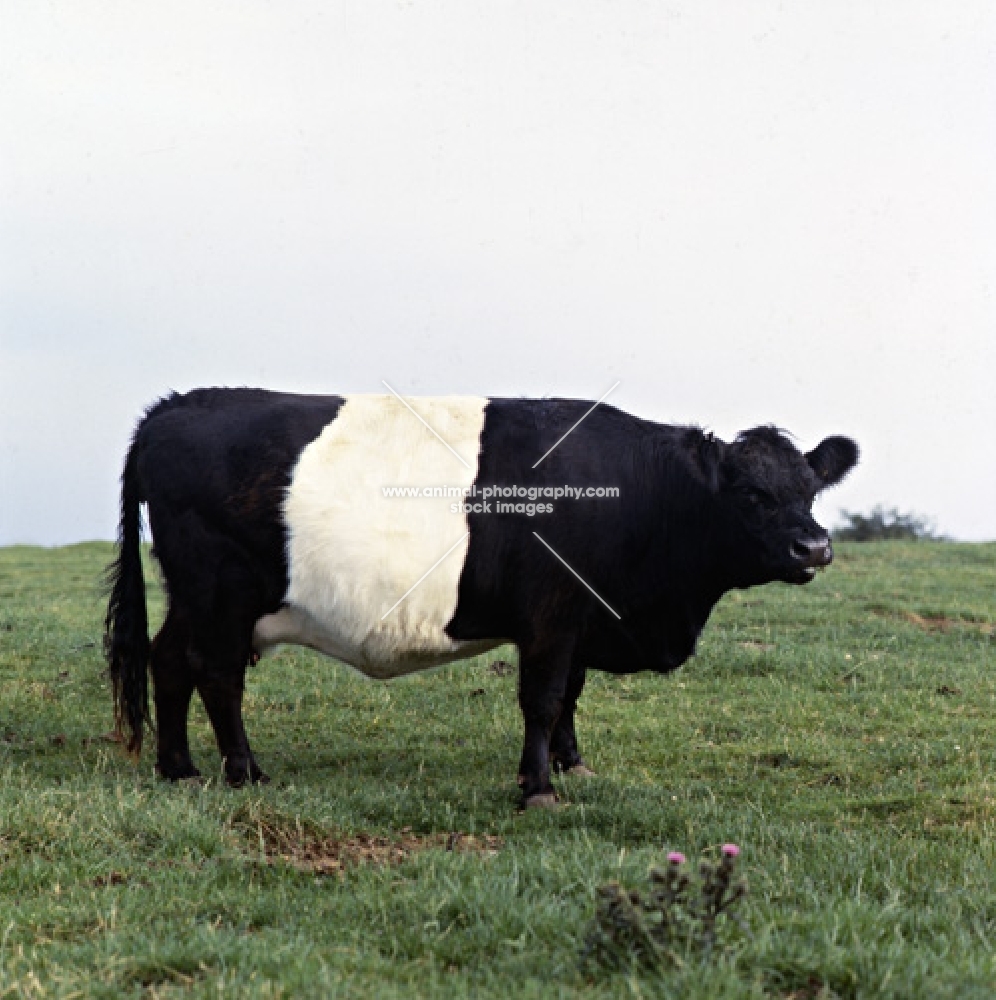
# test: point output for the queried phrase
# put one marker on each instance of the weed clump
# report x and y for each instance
(677, 920)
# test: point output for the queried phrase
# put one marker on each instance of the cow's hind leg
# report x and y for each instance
(564, 753)
(224, 649)
(222, 697)
(224, 594)
(173, 685)
(224, 646)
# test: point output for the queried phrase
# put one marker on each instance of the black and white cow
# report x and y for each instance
(271, 525)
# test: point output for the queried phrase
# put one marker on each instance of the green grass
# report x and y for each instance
(842, 733)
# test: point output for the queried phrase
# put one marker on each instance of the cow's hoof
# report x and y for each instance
(581, 771)
(243, 773)
(543, 800)
(241, 780)
(178, 773)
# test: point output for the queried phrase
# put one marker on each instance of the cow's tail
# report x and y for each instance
(126, 628)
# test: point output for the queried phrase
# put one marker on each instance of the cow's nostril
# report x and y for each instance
(801, 550)
(812, 550)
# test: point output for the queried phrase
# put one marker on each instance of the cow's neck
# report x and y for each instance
(683, 577)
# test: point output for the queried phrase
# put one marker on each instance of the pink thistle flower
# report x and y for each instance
(676, 858)
(731, 850)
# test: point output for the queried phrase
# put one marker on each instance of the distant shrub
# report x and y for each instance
(881, 525)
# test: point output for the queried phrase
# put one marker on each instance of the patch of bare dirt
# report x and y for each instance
(813, 988)
(111, 878)
(309, 847)
(938, 623)
(929, 623)
(111, 737)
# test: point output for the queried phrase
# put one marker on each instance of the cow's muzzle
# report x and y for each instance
(811, 554)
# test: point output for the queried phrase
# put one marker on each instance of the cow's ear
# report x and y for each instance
(832, 459)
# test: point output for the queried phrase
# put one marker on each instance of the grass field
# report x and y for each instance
(844, 734)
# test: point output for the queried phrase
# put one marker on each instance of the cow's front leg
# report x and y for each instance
(544, 668)
(564, 753)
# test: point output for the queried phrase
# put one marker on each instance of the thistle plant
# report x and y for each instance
(677, 918)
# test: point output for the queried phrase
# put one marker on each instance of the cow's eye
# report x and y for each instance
(760, 499)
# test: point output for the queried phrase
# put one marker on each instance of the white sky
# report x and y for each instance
(746, 212)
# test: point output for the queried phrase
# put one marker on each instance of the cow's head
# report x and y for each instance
(766, 487)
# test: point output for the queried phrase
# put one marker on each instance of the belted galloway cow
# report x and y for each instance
(399, 534)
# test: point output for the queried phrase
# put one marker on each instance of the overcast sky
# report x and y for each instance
(744, 212)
